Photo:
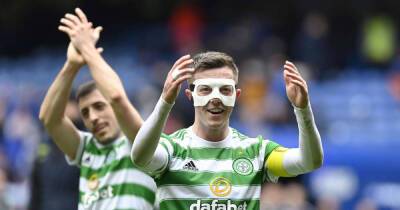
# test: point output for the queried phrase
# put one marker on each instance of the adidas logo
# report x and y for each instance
(190, 166)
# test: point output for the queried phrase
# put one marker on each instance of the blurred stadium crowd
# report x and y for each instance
(352, 68)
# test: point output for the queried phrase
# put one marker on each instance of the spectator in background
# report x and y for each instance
(290, 196)
(21, 138)
(393, 79)
(366, 204)
(378, 41)
(22, 135)
(272, 196)
(260, 95)
(327, 203)
(296, 197)
(49, 166)
(3, 104)
(311, 44)
(186, 28)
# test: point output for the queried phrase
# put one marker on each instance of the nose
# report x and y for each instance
(93, 117)
(215, 101)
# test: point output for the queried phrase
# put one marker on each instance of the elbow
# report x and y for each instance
(44, 119)
(41, 117)
(318, 162)
(49, 121)
(137, 161)
(116, 98)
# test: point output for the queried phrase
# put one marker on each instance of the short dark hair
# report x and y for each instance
(85, 89)
(212, 59)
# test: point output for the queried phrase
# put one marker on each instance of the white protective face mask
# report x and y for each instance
(214, 86)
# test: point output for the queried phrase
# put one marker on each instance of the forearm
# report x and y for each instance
(309, 155)
(110, 85)
(149, 134)
(54, 104)
(105, 77)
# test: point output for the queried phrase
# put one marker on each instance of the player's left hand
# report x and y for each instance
(296, 86)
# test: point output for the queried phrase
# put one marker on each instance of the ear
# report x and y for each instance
(188, 94)
(238, 93)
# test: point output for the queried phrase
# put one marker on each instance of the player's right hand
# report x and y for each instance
(179, 72)
(79, 29)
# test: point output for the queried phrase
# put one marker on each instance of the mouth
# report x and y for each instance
(216, 111)
(99, 127)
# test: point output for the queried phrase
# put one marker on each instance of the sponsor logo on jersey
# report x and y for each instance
(93, 182)
(215, 205)
(87, 159)
(190, 166)
(91, 197)
(242, 166)
(220, 186)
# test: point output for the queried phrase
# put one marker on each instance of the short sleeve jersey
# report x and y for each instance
(108, 179)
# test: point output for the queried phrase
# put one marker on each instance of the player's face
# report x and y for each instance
(99, 117)
(215, 115)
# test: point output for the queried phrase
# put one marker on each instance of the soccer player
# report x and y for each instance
(108, 179)
(211, 165)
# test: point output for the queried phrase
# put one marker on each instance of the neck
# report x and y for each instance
(211, 134)
(110, 140)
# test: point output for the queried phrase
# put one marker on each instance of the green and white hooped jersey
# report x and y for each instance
(225, 175)
(108, 179)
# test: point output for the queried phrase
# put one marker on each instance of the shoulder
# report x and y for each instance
(244, 140)
(86, 137)
(179, 135)
(257, 143)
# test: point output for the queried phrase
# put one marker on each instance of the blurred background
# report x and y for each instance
(348, 51)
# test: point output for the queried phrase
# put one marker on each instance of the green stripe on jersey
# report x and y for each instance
(271, 146)
(116, 165)
(106, 174)
(231, 184)
(209, 153)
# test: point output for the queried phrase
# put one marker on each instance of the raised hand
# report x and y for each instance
(296, 86)
(74, 57)
(79, 30)
(179, 72)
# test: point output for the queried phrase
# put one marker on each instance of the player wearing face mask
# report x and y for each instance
(211, 165)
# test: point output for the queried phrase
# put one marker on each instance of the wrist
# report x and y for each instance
(167, 100)
(73, 65)
(303, 114)
(302, 107)
(87, 48)
(164, 105)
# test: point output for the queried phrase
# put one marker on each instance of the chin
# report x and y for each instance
(216, 125)
(104, 138)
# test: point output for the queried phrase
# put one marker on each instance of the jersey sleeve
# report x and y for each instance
(161, 159)
(273, 161)
(83, 140)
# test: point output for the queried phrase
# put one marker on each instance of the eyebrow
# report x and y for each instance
(191, 87)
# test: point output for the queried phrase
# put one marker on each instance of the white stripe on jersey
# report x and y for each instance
(208, 165)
